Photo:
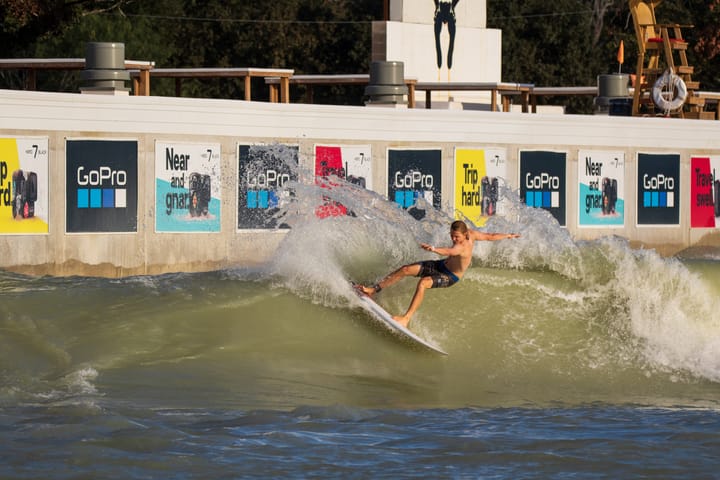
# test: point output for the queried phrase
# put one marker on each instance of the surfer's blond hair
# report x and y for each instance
(459, 226)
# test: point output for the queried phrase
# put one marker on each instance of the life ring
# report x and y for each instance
(671, 86)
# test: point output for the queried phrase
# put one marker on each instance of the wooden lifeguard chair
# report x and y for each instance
(658, 41)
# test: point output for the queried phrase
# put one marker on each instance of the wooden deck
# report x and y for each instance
(31, 66)
(505, 89)
(341, 79)
(280, 79)
(282, 74)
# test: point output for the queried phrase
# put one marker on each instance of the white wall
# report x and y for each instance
(410, 38)
(469, 13)
(229, 123)
(477, 56)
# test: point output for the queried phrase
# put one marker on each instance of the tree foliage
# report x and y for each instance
(571, 42)
(309, 36)
(560, 43)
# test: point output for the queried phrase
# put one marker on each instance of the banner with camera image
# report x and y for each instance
(101, 186)
(413, 176)
(543, 181)
(24, 185)
(658, 187)
(187, 187)
(478, 174)
(601, 187)
(263, 174)
(353, 164)
(705, 192)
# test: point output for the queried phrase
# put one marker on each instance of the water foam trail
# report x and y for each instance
(670, 310)
(321, 254)
(662, 315)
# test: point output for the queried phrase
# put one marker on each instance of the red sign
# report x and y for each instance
(702, 203)
(328, 162)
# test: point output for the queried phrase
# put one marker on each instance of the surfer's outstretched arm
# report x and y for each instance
(491, 237)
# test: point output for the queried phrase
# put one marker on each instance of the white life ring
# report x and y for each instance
(669, 92)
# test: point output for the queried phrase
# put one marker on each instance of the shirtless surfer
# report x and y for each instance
(437, 273)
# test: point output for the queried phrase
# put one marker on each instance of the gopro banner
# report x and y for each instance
(24, 185)
(658, 189)
(704, 192)
(101, 186)
(263, 172)
(415, 175)
(477, 176)
(187, 187)
(543, 182)
(350, 163)
(601, 181)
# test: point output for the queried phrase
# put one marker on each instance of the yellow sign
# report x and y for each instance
(469, 173)
(479, 177)
(23, 185)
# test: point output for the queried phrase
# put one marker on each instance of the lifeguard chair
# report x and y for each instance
(662, 87)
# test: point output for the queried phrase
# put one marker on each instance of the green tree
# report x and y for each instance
(570, 42)
(309, 36)
(27, 21)
(564, 43)
(549, 44)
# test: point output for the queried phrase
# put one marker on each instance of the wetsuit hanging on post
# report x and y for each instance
(445, 14)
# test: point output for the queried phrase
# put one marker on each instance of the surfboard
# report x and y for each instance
(382, 316)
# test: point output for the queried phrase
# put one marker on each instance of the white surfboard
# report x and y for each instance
(379, 313)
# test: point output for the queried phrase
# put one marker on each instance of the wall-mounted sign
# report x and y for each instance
(24, 185)
(478, 173)
(263, 174)
(601, 187)
(415, 179)
(187, 187)
(543, 181)
(658, 187)
(101, 185)
(705, 192)
(352, 164)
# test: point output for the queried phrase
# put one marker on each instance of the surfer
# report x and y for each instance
(437, 273)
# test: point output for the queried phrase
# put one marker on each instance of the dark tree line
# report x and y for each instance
(563, 43)
(570, 42)
(309, 36)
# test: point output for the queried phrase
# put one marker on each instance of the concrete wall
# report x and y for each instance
(477, 55)
(409, 37)
(147, 120)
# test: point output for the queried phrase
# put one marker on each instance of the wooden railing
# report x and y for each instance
(279, 81)
(560, 92)
(505, 89)
(31, 66)
(246, 74)
(341, 79)
(142, 71)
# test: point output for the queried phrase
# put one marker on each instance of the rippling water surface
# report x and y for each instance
(566, 359)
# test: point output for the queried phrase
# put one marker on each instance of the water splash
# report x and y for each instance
(652, 311)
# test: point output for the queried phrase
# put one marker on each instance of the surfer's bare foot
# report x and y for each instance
(369, 291)
(404, 321)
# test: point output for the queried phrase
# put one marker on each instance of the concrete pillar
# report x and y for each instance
(105, 69)
(387, 84)
(613, 92)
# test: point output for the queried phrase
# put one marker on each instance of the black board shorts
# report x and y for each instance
(436, 269)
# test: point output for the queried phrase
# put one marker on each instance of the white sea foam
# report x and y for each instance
(670, 313)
